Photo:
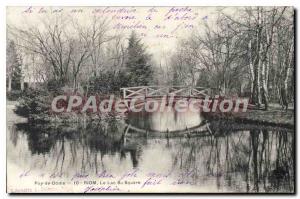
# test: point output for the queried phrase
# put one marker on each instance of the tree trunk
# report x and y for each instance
(9, 83)
(258, 85)
(74, 84)
(22, 83)
(285, 88)
(258, 62)
(264, 86)
(289, 64)
(251, 68)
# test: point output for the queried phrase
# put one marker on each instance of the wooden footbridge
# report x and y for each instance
(161, 91)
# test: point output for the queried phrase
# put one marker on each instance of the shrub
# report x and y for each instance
(107, 83)
(14, 95)
(34, 103)
(54, 86)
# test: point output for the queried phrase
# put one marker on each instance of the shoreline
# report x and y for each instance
(272, 117)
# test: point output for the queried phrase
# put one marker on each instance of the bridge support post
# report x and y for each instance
(168, 133)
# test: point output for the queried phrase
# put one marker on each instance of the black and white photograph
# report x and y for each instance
(141, 99)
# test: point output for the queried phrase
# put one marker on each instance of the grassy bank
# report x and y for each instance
(275, 117)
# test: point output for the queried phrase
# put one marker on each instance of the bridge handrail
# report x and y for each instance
(152, 91)
(136, 87)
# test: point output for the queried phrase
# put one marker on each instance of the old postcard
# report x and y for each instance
(150, 100)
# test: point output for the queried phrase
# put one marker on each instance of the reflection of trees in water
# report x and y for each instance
(252, 161)
(79, 147)
(14, 136)
(258, 160)
(40, 139)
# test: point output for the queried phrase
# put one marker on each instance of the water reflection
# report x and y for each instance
(165, 120)
(254, 159)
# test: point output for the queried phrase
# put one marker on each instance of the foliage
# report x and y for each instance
(139, 71)
(34, 103)
(14, 95)
(54, 86)
(13, 66)
(106, 83)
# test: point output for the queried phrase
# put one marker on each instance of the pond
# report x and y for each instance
(230, 158)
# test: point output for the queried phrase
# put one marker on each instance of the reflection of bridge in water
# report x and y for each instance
(205, 128)
(193, 131)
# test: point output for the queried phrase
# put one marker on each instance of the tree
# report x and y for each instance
(249, 53)
(261, 26)
(184, 65)
(72, 51)
(211, 57)
(13, 67)
(139, 71)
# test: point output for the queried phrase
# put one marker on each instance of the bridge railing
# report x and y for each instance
(160, 91)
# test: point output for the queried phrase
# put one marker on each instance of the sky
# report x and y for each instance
(159, 27)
